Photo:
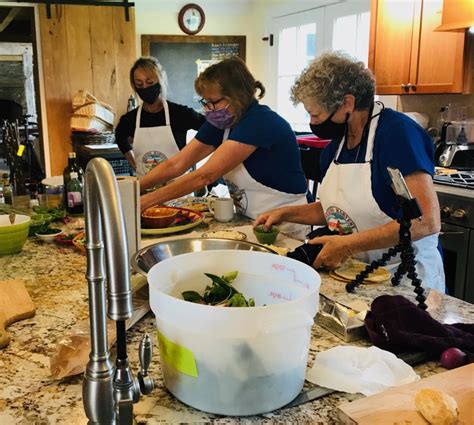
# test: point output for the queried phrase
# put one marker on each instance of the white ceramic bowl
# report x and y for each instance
(49, 237)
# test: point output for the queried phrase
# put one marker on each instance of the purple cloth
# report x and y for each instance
(396, 324)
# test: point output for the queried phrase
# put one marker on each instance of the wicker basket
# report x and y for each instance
(101, 138)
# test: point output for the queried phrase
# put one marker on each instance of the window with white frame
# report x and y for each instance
(301, 37)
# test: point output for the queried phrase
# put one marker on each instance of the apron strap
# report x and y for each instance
(370, 138)
(139, 114)
(167, 112)
(226, 134)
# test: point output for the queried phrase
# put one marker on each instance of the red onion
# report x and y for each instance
(452, 358)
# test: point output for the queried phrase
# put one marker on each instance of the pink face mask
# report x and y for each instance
(220, 118)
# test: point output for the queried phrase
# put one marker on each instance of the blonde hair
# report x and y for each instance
(330, 77)
(234, 80)
(153, 67)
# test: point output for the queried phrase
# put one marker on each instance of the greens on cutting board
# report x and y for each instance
(221, 293)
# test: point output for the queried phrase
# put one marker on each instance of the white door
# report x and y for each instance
(300, 37)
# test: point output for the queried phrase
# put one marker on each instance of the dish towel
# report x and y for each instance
(396, 324)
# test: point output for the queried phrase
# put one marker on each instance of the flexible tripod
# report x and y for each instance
(410, 211)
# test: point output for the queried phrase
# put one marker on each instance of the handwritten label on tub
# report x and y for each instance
(179, 357)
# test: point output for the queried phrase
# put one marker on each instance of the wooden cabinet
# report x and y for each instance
(407, 56)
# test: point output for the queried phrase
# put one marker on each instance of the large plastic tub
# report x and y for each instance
(235, 361)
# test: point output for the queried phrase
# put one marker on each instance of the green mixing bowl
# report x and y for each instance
(266, 236)
(13, 236)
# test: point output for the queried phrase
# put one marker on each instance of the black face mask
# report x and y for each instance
(329, 129)
(149, 94)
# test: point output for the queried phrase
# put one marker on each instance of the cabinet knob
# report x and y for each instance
(405, 88)
(411, 87)
(460, 214)
(445, 212)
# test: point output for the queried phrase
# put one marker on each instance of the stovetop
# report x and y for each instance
(464, 179)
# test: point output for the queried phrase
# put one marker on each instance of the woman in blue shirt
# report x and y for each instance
(356, 197)
(252, 147)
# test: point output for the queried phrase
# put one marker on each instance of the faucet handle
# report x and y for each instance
(145, 352)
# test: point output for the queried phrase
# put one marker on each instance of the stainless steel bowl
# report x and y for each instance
(147, 257)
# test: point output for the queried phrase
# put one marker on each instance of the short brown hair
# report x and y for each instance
(234, 80)
(152, 65)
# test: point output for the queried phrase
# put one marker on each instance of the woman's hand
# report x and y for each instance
(270, 218)
(335, 250)
(147, 200)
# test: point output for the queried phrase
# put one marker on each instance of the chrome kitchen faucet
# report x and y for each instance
(109, 391)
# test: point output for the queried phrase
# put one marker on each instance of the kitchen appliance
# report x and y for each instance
(397, 405)
(455, 148)
(456, 201)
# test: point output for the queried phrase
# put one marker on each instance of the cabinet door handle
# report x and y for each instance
(405, 88)
(410, 86)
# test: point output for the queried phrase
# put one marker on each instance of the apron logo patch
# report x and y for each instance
(239, 196)
(338, 220)
(152, 158)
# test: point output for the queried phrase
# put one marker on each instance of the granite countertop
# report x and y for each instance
(55, 279)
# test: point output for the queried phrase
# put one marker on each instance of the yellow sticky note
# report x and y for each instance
(20, 151)
(179, 357)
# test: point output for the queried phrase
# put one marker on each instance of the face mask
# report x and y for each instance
(149, 94)
(220, 118)
(329, 129)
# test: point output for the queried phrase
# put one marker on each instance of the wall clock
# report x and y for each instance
(191, 18)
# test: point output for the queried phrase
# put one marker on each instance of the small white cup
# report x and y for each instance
(222, 208)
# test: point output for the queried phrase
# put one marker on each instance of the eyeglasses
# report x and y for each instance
(208, 104)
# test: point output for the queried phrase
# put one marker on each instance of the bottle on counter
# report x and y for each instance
(75, 204)
(72, 166)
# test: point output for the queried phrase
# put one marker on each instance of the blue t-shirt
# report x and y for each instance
(276, 162)
(399, 143)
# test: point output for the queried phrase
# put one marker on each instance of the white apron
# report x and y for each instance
(152, 145)
(252, 198)
(347, 201)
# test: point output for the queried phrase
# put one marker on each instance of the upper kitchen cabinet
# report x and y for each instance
(407, 56)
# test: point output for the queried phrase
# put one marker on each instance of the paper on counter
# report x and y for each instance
(360, 370)
(129, 189)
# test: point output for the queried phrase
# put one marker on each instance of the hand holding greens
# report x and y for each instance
(221, 293)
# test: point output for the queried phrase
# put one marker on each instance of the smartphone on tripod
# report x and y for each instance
(399, 185)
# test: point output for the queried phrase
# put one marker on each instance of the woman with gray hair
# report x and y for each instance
(356, 198)
(156, 130)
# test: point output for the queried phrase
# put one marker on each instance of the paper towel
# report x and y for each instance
(129, 189)
(359, 370)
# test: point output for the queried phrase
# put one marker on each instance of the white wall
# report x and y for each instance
(251, 18)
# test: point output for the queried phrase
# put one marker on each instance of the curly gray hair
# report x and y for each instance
(330, 77)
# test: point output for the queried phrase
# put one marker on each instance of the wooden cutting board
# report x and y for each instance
(397, 405)
(15, 305)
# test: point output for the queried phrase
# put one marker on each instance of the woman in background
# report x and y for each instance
(252, 147)
(156, 130)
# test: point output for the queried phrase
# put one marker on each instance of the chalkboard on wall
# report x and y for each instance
(183, 57)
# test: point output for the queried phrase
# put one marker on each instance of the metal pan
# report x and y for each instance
(147, 257)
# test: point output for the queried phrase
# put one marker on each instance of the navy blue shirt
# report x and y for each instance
(399, 143)
(276, 162)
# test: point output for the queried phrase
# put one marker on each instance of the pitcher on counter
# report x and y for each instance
(356, 197)
(156, 130)
(252, 147)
